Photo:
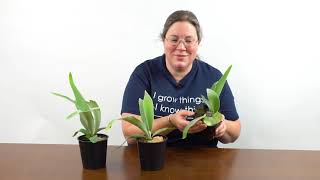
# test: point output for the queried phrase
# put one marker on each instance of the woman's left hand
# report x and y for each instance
(221, 129)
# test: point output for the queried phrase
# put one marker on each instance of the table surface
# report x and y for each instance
(46, 162)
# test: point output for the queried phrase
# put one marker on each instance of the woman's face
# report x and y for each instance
(180, 46)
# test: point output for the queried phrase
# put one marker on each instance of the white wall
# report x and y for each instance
(273, 45)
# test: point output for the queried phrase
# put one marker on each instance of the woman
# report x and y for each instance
(176, 81)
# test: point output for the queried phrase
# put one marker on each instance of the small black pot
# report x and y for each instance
(152, 155)
(93, 155)
(210, 131)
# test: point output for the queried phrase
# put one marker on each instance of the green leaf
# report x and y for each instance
(94, 139)
(83, 121)
(63, 96)
(206, 101)
(94, 107)
(72, 114)
(135, 136)
(192, 123)
(142, 115)
(215, 119)
(109, 125)
(78, 112)
(200, 111)
(218, 86)
(213, 100)
(102, 128)
(163, 131)
(80, 101)
(148, 110)
(136, 122)
(82, 131)
(86, 119)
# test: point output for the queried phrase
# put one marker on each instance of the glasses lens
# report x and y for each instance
(188, 42)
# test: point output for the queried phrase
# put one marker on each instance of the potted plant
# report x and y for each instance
(151, 145)
(93, 145)
(209, 113)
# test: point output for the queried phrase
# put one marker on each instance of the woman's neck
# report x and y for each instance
(178, 74)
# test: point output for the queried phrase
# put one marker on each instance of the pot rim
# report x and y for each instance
(141, 140)
(104, 136)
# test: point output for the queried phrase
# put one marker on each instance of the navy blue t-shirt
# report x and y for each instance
(169, 96)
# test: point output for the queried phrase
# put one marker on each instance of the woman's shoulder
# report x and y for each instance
(150, 63)
(207, 68)
(147, 66)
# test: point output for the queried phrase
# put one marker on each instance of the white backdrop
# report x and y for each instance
(273, 46)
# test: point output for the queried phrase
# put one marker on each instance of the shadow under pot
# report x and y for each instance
(93, 155)
(152, 154)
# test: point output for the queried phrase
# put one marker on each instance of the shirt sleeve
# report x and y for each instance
(227, 105)
(137, 84)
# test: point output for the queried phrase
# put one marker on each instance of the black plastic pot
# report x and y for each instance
(152, 155)
(93, 155)
(210, 131)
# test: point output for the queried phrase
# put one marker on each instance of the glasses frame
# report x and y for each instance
(183, 40)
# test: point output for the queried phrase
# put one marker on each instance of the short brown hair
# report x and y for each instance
(181, 15)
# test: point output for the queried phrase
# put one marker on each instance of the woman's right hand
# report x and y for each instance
(179, 121)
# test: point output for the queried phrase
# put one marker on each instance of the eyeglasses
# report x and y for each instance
(187, 42)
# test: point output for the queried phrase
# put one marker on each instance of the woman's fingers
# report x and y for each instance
(199, 126)
(220, 130)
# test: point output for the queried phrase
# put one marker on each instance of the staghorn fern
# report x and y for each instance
(212, 116)
(147, 117)
(89, 112)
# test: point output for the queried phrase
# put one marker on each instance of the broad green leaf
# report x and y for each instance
(63, 96)
(148, 110)
(206, 101)
(94, 139)
(80, 101)
(211, 121)
(142, 115)
(84, 122)
(217, 117)
(193, 122)
(82, 131)
(86, 119)
(213, 100)
(94, 107)
(136, 122)
(218, 86)
(109, 125)
(163, 131)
